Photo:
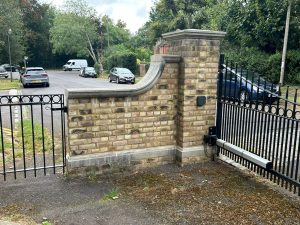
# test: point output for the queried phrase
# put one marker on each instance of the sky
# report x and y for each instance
(133, 12)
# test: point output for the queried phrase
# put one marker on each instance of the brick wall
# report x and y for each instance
(161, 123)
(98, 125)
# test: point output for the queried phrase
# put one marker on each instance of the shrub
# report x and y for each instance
(127, 60)
(97, 68)
(267, 65)
(293, 67)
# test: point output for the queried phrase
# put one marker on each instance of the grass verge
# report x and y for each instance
(7, 84)
(42, 140)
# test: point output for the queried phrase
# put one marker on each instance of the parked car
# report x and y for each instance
(35, 76)
(121, 75)
(248, 86)
(3, 72)
(88, 72)
(75, 64)
(14, 68)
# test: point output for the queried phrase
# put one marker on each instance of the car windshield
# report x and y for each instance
(68, 63)
(90, 69)
(124, 70)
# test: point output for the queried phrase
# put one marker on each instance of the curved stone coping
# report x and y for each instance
(148, 81)
(194, 34)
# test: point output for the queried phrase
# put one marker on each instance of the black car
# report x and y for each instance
(121, 75)
(13, 68)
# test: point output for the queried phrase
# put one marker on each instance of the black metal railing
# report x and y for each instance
(32, 135)
(261, 118)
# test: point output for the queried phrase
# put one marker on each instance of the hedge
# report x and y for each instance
(267, 65)
(127, 60)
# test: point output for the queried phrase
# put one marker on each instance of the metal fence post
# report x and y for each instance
(219, 96)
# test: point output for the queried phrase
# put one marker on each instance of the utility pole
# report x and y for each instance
(9, 52)
(286, 36)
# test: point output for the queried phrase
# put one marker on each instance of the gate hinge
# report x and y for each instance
(211, 138)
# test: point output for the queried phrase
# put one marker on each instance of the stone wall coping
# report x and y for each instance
(148, 81)
(194, 34)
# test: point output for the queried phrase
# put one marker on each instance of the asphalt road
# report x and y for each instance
(61, 80)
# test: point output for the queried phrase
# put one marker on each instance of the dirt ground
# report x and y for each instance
(206, 193)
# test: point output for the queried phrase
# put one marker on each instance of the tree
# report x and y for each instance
(10, 18)
(259, 24)
(38, 19)
(114, 34)
(169, 15)
(75, 31)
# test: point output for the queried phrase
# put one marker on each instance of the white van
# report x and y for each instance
(75, 64)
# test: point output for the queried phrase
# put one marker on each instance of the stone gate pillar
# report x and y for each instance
(200, 52)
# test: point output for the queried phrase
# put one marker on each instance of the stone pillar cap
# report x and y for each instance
(194, 34)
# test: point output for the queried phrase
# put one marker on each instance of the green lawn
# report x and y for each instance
(7, 84)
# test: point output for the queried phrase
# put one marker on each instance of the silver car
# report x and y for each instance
(121, 75)
(35, 76)
(88, 72)
(3, 72)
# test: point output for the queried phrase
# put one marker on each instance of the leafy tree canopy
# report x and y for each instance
(74, 30)
(10, 18)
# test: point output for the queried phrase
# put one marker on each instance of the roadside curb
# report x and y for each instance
(16, 109)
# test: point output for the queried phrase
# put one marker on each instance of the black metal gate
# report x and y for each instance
(32, 135)
(258, 125)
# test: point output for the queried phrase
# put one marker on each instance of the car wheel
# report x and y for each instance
(109, 79)
(118, 81)
(48, 85)
(6, 77)
(244, 96)
(24, 86)
(133, 81)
